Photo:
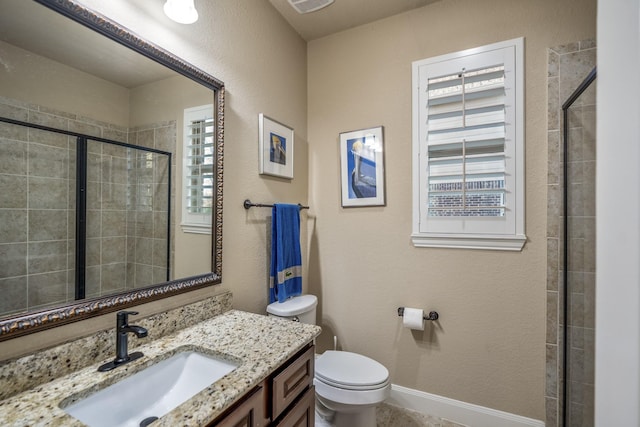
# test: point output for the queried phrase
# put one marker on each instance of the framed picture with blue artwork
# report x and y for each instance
(362, 167)
(276, 148)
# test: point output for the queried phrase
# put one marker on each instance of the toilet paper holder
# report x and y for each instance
(433, 315)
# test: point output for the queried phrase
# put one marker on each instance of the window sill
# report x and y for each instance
(196, 228)
(469, 241)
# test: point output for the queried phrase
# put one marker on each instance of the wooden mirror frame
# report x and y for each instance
(22, 324)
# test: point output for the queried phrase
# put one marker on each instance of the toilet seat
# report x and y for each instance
(350, 371)
(347, 381)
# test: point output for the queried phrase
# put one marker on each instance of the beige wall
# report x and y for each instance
(38, 80)
(489, 346)
(262, 62)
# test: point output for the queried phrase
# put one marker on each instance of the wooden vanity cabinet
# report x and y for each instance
(247, 413)
(285, 399)
(292, 392)
(302, 414)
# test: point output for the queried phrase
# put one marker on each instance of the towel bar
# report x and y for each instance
(248, 204)
(433, 315)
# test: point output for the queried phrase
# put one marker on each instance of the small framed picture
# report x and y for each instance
(362, 167)
(276, 148)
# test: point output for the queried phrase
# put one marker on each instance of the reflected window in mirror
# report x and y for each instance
(198, 169)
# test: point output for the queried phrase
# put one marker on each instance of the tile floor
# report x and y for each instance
(394, 416)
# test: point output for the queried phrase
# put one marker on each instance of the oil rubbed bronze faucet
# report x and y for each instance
(122, 341)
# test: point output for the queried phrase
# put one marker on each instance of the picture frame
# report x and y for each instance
(276, 148)
(362, 167)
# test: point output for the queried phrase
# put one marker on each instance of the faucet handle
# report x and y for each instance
(126, 313)
(123, 316)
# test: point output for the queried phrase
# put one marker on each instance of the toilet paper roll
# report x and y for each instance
(413, 318)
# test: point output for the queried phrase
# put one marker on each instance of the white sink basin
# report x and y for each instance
(139, 399)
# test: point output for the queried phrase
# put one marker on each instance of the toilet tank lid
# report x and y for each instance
(293, 306)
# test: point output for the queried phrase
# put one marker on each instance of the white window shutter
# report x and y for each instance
(198, 169)
(469, 148)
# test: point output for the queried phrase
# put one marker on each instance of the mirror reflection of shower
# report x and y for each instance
(127, 214)
(88, 216)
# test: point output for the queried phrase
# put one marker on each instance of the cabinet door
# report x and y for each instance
(248, 414)
(291, 382)
(303, 412)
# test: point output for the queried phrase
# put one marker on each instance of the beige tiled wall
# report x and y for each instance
(147, 215)
(568, 66)
(126, 217)
(36, 254)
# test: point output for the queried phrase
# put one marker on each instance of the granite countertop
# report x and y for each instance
(259, 343)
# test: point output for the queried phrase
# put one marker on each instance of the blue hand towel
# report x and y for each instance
(286, 258)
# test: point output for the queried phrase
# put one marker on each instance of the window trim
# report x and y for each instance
(513, 240)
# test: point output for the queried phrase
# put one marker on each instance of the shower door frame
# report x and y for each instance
(565, 270)
(81, 195)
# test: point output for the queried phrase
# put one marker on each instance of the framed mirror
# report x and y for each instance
(111, 161)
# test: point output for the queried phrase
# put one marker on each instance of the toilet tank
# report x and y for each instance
(301, 308)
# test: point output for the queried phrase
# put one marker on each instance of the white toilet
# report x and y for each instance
(348, 385)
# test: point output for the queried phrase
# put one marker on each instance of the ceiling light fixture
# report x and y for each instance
(181, 11)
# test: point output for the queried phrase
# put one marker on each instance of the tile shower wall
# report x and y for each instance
(148, 205)
(568, 66)
(36, 259)
(125, 223)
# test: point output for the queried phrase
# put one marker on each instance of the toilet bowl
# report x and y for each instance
(348, 385)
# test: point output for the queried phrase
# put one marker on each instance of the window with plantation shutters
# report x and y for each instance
(198, 169)
(468, 149)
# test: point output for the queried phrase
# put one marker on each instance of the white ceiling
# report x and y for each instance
(342, 15)
(30, 26)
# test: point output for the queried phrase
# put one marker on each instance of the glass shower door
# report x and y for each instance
(579, 254)
(127, 218)
(79, 217)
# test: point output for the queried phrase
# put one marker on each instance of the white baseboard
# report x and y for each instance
(455, 410)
